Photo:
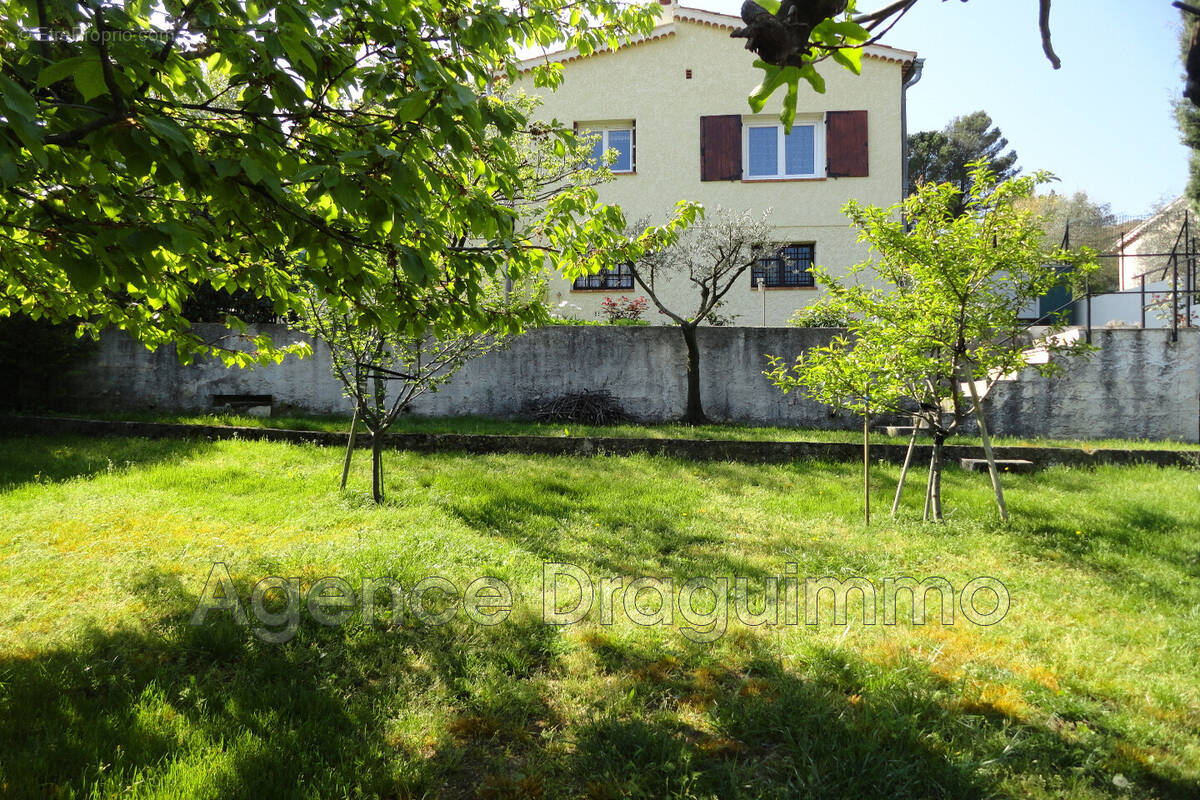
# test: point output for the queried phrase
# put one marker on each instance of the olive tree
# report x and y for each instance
(701, 265)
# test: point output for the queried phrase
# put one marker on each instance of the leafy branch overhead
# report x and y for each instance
(355, 148)
(791, 36)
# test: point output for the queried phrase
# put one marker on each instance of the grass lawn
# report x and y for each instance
(725, 432)
(1087, 688)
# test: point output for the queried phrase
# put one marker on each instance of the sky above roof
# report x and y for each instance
(1104, 123)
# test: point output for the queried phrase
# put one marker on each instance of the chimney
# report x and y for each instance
(667, 14)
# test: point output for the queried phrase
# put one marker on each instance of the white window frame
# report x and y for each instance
(604, 129)
(818, 125)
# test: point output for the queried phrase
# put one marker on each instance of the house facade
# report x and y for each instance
(672, 105)
(1145, 249)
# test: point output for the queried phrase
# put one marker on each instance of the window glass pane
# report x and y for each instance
(764, 151)
(621, 141)
(798, 150)
(597, 149)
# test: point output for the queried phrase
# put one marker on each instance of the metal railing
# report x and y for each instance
(1183, 289)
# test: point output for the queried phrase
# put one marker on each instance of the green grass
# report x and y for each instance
(1086, 689)
(722, 432)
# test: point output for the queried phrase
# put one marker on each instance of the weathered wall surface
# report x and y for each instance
(1138, 385)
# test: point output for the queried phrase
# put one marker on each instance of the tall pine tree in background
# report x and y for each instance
(942, 156)
(1188, 116)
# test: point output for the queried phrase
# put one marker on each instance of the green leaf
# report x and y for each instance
(850, 58)
(62, 69)
(89, 80)
(297, 52)
(774, 77)
(167, 129)
(18, 100)
(84, 273)
(846, 29)
(411, 108)
(810, 74)
(255, 171)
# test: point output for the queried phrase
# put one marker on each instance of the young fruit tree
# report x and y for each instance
(936, 315)
(383, 369)
(710, 256)
(277, 147)
(402, 338)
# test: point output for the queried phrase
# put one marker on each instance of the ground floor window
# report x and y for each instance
(617, 278)
(790, 266)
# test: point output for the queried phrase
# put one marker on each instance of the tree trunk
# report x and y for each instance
(695, 411)
(377, 466)
(935, 476)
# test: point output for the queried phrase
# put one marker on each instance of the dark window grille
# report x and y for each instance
(616, 279)
(790, 266)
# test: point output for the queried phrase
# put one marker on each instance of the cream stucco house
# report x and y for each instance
(673, 106)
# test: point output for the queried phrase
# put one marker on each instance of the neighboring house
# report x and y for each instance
(673, 106)
(1145, 249)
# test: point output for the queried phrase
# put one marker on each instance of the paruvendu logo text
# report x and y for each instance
(701, 608)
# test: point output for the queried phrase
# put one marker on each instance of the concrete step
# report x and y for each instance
(897, 430)
(1002, 465)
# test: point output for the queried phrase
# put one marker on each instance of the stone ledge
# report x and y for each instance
(753, 452)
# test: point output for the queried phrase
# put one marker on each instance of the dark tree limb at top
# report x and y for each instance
(1191, 89)
(783, 38)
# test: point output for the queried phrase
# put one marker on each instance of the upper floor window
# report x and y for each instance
(788, 267)
(768, 153)
(618, 137)
(618, 278)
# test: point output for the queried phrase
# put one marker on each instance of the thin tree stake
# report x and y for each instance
(987, 451)
(350, 446)
(929, 486)
(866, 468)
(912, 444)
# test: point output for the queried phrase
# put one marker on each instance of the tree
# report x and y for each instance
(383, 370)
(945, 325)
(1187, 114)
(945, 155)
(277, 147)
(1078, 222)
(711, 256)
(791, 36)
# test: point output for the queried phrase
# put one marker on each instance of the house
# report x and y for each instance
(1145, 250)
(673, 106)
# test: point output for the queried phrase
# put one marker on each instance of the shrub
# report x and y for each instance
(819, 315)
(623, 308)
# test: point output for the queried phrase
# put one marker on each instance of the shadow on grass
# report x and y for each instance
(1131, 543)
(43, 459)
(630, 534)
(517, 710)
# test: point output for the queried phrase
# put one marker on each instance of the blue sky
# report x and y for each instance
(1103, 123)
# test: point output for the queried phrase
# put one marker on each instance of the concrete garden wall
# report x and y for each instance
(1138, 385)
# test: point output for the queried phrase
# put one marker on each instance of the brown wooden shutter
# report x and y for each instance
(721, 148)
(846, 144)
(633, 146)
